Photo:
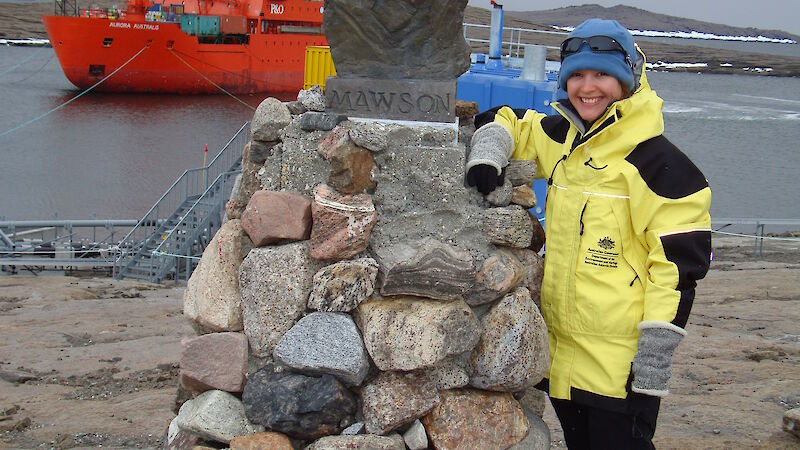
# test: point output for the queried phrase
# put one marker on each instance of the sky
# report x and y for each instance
(770, 14)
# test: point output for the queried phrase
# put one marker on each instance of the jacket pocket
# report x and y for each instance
(606, 289)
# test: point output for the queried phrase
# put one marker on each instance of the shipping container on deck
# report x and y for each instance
(189, 24)
(207, 25)
(233, 24)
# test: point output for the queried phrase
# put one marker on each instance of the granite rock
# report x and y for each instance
(415, 437)
(462, 421)
(534, 266)
(342, 286)
(502, 195)
(312, 99)
(275, 284)
(499, 274)
(538, 437)
(325, 342)
(269, 174)
(513, 351)
(214, 361)
(215, 415)
(409, 333)
(211, 299)
(341, 224)
(261, 441)
(511, 226)
(523, 196)
(270, 118)
(521, 172)
(277, 216)
(361, 442)
(352, 169)
(395, 399)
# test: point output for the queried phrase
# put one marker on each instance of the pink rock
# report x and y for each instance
(214, 361)
(342, 223)
(332, 140)
(273, 216)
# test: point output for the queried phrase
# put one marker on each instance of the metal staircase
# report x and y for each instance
(169, 240)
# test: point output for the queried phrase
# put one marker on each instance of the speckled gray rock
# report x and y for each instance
(343, 285)
(361, 442)
(313, 120)
(211, 300)
(462, 421)
(270, 118)
(324, 342)
(312, 99)
(533, 401)
(275, 283)
(373, 136)
(499, 274)
(354, 429)
(502, 195)
(538, 437)
(395, 399)
(415, 436)
(215, 415)
(513, 352)
(400, 39)
(521, 172)
(448, 374)
(510, 226)
(408, 333)
(425, 268)
(534, 266)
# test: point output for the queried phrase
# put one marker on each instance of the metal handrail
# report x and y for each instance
(511, 43)
(193, 183)
(172, 242)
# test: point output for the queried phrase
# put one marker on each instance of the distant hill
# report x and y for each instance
(640, 19)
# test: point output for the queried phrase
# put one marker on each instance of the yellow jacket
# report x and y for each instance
(628, 234)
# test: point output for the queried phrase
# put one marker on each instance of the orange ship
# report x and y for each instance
(196, 46)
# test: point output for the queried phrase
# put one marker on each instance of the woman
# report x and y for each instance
(628, 235)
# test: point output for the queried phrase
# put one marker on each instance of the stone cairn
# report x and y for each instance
(358, 295)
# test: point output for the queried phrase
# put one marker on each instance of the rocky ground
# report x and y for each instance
(86, 362)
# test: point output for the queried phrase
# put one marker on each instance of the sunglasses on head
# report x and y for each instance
(597, 44)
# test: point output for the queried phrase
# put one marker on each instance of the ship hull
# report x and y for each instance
(170, 61)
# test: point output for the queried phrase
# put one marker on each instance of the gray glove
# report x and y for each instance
(492, 145)
(653, 360)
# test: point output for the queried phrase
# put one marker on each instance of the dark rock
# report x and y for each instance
(398, 39)
(313, 121)
(257, 152)
(297, 405)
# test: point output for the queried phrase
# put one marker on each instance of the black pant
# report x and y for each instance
(591, 428)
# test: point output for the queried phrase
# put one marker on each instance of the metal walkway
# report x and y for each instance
(170, 238)
(167, 242)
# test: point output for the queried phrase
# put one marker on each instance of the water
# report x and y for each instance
(792, 50)
(112, 156)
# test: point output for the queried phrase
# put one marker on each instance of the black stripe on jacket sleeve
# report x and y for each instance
(488, 115)
(691, 252)
(666, 170)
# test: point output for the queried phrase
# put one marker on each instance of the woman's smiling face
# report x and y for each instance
(591, 91)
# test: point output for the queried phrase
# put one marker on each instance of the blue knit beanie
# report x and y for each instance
(612, 63)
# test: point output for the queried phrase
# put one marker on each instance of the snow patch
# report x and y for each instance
(699, 35)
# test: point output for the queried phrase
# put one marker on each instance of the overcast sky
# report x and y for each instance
(771, 14)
